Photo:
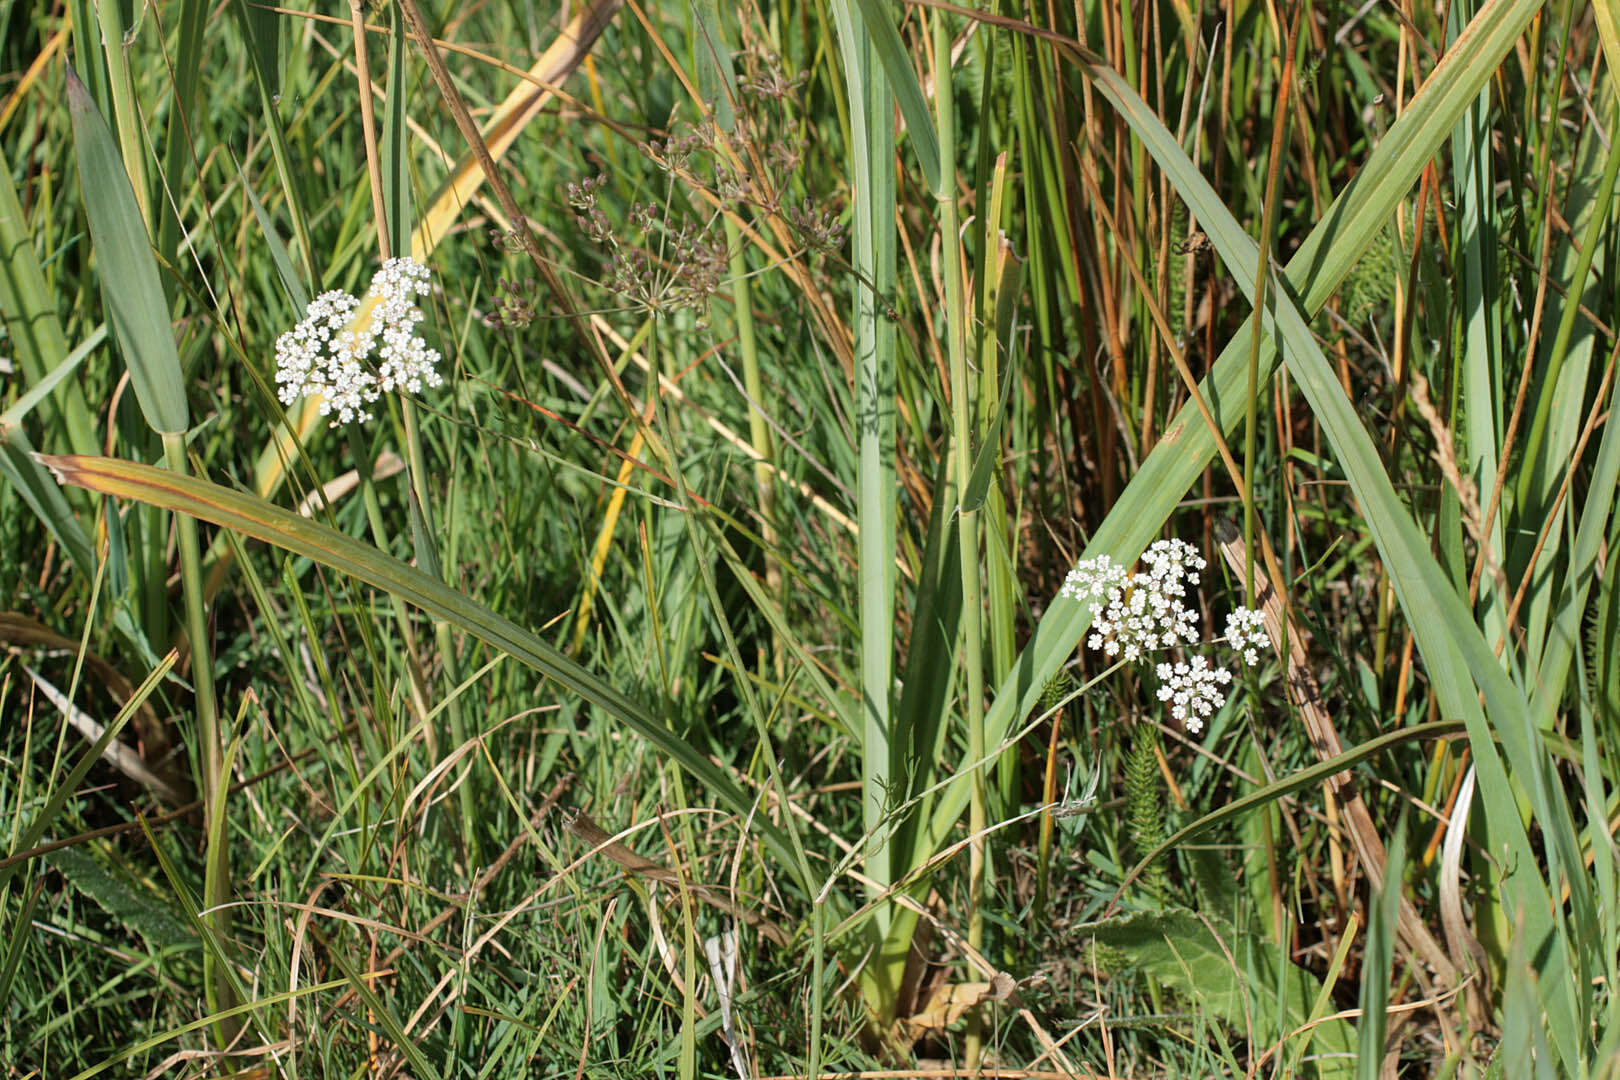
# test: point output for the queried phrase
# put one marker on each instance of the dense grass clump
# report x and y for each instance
(788, 540)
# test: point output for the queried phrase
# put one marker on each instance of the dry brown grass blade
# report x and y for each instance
(157, 747)
(328, 494)
(1305, 693)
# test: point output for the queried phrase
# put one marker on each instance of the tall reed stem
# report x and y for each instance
(759, 432)
(961, 393)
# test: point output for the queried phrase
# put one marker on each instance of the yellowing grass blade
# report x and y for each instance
(521, 105)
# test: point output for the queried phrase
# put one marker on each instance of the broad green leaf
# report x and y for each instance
(30, 315)
(1229, 972)
(129, 272)
(132, 908)
(891, 54)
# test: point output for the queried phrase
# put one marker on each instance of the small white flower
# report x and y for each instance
(1143, 612)
(326, 353)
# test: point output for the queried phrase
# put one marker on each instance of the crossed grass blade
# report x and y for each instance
(252, 516)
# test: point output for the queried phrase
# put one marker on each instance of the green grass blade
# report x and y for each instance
(890, 52)
(1304, 778)
(1375, 971)
(1552, 671)
(129, 273)
(37, 338)
(278, 250)
(177, 148)
(44, 497)
(396, 166)
(1315, 271)
(874, 242)
(261, 520)
(1481, 362)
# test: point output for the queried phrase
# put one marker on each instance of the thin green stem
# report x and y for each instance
(217, 875)
(1590, 242)
(759, 431)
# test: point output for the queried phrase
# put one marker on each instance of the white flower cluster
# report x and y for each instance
(1137, 614)
(1246, 634)
(325, 353)
(1193, 690)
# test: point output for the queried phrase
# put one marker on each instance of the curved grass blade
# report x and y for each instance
(1319, 773)
(261, 520)
(21, 471)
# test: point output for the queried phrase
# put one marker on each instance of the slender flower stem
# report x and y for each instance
(416, 469)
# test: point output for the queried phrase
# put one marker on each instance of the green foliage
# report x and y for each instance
(1144, 804)
(139, 910)
(715, 575)
(1231, 973)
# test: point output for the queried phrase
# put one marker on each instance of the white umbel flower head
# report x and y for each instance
(326, 354)
(1193, 690)
(406, 361)
(1246, 634)
(1138, 614)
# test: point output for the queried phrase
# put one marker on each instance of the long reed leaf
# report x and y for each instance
(252, 516)
(129, 273)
